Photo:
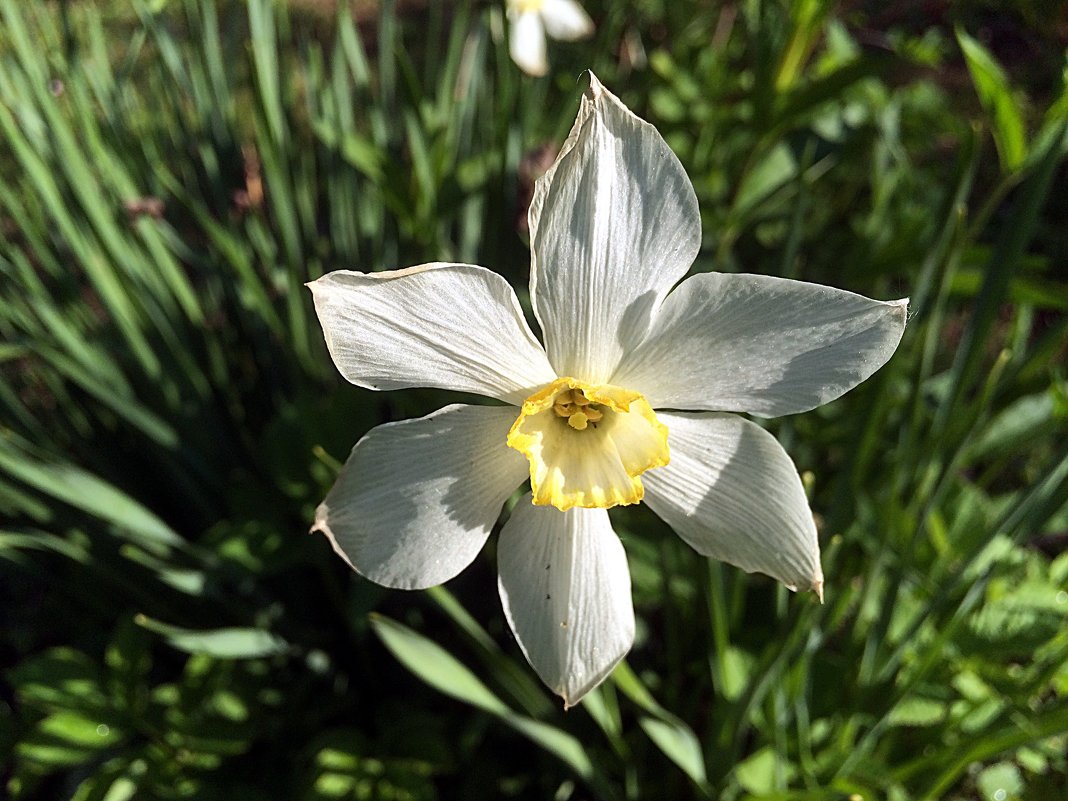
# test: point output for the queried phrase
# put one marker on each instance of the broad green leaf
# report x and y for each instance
(109, 785)
(60, 679)
(917, 711)
(737, 672)
(1000, 782)
(68, 738)
(1018, 622)
(762, 772)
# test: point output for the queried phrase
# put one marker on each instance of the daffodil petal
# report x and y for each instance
(733, 493)
(451, 326)
(763, 345)
(526, 44)
(614, 225)
(566, 20)
(565, 587)
(417, 499)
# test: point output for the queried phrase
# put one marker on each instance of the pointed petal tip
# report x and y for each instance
(322, 526)
(816, 586)
(572, 697)
(319, 525)
(596, 89)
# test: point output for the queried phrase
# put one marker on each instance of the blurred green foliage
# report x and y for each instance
(170, 176)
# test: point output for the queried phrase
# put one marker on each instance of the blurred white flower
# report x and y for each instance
(614, 226)
(531, 20)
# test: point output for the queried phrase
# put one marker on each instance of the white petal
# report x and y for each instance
(416, 500)
(527, 43)
(733, 494)
(565, 586)
(451, 326)
(763, 345)
(566, 20)
(613, 225)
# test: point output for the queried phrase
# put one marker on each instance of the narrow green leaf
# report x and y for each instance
(1020, 422)
(806, 20)
(992, 86)
(1019, 228)
(670, 734)
(265, 60)
(79, 488)
(436, 666)
(680, 745)
(631, 686)
(777, 169)
(514, 678)
(441, 670)
(228, 643)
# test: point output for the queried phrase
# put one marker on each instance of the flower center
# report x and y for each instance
(578, 409)
(523, 6)
(588, 445)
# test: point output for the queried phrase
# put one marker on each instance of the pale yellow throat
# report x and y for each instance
(588, 445)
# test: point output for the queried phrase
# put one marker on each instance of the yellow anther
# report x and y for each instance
(577, 408)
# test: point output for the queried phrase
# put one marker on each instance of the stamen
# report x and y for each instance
(579, 410)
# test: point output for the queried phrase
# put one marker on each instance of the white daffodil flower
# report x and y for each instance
(595, 417)
(531, 20)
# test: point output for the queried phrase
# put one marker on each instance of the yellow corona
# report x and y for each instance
(588, 444)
